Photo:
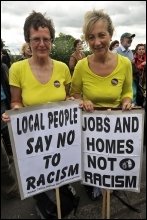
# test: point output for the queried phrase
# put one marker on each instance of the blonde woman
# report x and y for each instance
(25, 51)
(102, 79)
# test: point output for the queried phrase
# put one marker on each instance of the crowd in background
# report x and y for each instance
(77, 65)
(137, 56)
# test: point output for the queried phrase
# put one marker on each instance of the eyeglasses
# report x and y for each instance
(37, 40)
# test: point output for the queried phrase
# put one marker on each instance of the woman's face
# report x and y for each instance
(141, 50)
(99, 38)
(40, 42)
(116, 45)
(79, 46)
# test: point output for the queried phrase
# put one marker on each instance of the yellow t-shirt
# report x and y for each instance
(103, 91)
(34, 92)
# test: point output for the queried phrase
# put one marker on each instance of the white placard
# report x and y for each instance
(46, 144)
(112, 143)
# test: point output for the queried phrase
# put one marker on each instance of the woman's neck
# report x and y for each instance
(40, 61)
(102, 59)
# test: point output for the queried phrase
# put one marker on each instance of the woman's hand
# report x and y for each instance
(70, 98)
(87, 105)
(143, 63)
(6, 117)
(127, 106)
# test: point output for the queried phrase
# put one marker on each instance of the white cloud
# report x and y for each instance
(68, 18)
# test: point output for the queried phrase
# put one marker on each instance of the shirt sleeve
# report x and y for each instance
(14, 75)
(67, 75)
(127, 90)
(76, 82)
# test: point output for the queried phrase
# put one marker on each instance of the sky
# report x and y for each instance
(68, 16)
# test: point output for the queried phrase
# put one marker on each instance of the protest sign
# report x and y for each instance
(112, 144)
(46, 142)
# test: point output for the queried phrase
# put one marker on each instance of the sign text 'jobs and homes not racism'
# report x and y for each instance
(112, 146)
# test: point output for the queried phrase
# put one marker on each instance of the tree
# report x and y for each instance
(63, 47)
(2, 43)
(6, 55)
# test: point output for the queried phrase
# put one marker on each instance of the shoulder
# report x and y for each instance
(59, 64)
(82, 61)
(123, 59)
(18, 67)
(82, 65)
(19, 63)
(73, 55)
(117, 49)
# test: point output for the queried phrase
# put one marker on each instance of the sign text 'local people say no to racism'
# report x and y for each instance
(47, 148)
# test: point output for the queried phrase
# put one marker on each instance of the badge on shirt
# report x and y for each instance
(114, 82)
(57, 84)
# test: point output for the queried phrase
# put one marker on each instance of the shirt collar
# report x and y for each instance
(124, 49)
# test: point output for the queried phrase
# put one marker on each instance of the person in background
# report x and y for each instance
(25, 51)
(140, 74)
(6, 58)
(38, 79)
(9, 185)
(125, 42)
(104, 78)
(5, 104)
(76, 55)
(140, 62)
(114, 44)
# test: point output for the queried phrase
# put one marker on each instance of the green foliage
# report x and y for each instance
(87, 52)
(63, 47)
(15, 58)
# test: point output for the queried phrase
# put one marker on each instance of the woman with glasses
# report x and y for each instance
(38, 79)
(34, 80)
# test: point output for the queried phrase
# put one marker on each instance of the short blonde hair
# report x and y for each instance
(23, 48)
(91, 17)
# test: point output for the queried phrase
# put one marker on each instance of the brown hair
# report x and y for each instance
(76, 42)
(139, 45)
(113, 44)
(36, 20)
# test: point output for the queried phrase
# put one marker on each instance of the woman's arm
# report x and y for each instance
(127, 90)
(16, 97)
(16, 101)
(72, 63)
(67, 89)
